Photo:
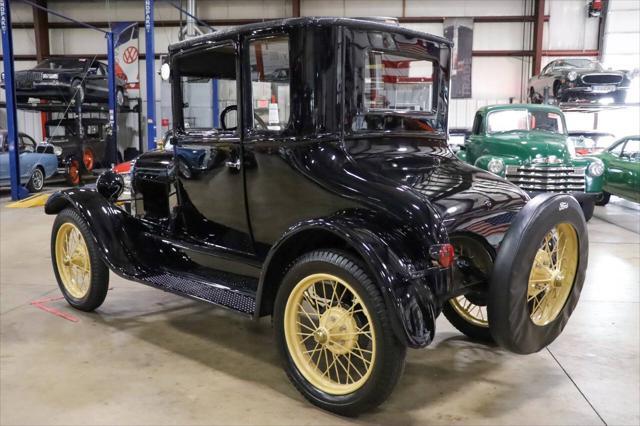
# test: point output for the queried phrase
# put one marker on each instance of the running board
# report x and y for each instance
(218, 294)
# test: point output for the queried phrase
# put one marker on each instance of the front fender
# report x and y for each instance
(406, 286)
(591, 183)
(113, 231)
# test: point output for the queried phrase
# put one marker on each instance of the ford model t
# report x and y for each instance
(326, 197)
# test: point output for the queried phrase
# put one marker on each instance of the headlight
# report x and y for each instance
(596, 168)
(496, 166)
(57, 150)
(572, 75)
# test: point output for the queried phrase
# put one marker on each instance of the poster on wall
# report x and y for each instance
(460, 31)
(127, 52)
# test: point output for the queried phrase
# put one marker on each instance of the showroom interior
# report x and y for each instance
(357, 212)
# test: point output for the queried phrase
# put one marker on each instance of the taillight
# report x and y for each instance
(443, 254)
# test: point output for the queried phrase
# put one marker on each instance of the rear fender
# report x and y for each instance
(113, 230)
(404, 283)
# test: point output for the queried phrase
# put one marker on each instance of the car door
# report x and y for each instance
(630, 170)
(614, 170)
(96, 82)
(207, 155)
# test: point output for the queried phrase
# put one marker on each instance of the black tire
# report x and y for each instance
(509, 313)
(99, 277)
(603, 199)
(36, 181)
(120, 97)
(588, 207)
(390, 353)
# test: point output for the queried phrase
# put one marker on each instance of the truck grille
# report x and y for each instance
(601, 79)
(25, 79)
(548, 179)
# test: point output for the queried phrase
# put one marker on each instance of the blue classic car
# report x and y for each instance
(35, 167)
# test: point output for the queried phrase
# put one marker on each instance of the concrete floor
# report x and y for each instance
(148, 357)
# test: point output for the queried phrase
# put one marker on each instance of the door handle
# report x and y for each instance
(233, 164)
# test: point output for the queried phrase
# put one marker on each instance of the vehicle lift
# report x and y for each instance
(17, 191)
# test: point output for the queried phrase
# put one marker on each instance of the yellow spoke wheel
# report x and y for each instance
(552, 274)
(475, 314)
(72, 260)
(329, 334)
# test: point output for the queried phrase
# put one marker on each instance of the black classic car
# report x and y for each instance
(67, 79)
(339, 210)
(580, 80)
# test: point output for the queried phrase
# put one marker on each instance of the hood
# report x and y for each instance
(527, 146)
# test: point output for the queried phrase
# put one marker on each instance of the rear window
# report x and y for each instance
(396, 82)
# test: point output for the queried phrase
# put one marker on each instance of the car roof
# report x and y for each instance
(302, 22)
(531, 107)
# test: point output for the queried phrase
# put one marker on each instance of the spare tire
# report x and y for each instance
(538, 274)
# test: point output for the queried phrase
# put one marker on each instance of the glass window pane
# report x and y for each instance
(270, 98)
(395, 82)
(198, 71)
(632, 150)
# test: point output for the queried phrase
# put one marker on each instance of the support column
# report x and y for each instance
(538, 28)
(295, 6)
(151, 79)
(17, 191)
(41, 30)
(112, 146)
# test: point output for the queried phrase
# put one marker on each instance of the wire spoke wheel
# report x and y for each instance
(475, 314)
(329, 334)
(72, 259)
(552, 274)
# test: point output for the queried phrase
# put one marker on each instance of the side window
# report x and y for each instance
(102, 69)
(617, 150)
(207, 85)
(270, 85)
(631, 150)
(27, 144)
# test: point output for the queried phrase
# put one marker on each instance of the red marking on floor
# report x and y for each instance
(41, 304)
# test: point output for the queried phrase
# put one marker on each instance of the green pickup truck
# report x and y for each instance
(622, 170)
(528, 145)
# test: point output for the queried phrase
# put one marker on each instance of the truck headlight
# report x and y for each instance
(596, 168)
(495, 166)
(572, 75)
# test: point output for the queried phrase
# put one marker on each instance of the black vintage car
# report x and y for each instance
(339, 210)
(67, 79)
(580, 80)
